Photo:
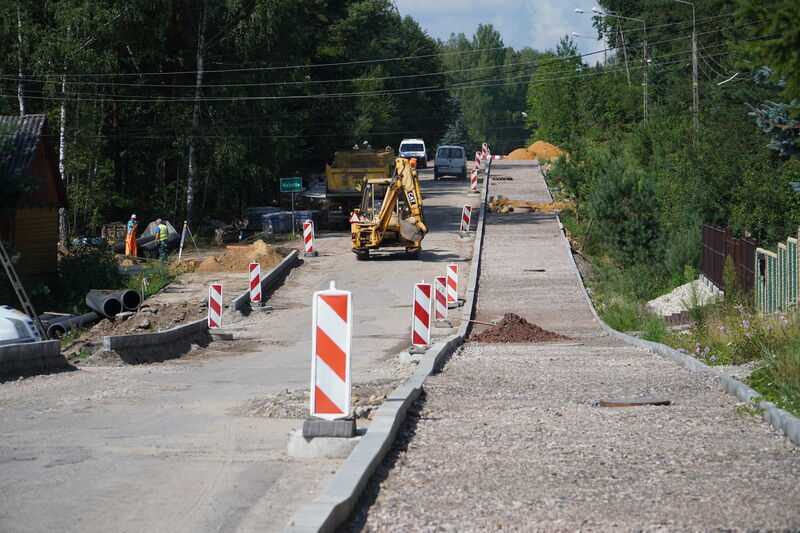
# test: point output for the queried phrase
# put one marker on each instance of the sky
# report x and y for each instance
(538, 24)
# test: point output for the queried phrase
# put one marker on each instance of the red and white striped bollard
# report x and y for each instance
(466, 218)
(308, 238)
(214, 305)
(473, 181)
(440, 303)
(332, 330)
(255, 282)
(452, 285)
(421, 316)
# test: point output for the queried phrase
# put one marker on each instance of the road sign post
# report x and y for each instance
(292, 185)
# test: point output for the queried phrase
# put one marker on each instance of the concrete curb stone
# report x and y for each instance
(776, 417)
(326, 512)
(268, 281)
(28, 356)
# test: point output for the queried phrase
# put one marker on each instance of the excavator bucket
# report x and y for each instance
(410, 231)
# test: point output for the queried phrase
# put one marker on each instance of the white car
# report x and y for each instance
(16, 327)
(450, 161)
(414, 148)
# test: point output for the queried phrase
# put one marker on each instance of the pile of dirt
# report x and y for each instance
(519, 154)
(238, 259)
(147, 319)
(544, 150)
(539, 150)
(514, 328)
(505, 205)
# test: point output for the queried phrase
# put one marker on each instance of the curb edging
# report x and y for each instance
(333, 506)
(28, 356)
(268, 281)
(776, 417)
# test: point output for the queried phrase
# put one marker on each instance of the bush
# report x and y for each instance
(83, 268)
(625, 208)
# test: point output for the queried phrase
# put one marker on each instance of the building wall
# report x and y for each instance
(36, 239)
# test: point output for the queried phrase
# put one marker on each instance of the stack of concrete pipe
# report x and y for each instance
(104, 304)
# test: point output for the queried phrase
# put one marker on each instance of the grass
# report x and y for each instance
(155, 277)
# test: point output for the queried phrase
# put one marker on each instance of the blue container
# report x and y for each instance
(277, 223)
(254, 214)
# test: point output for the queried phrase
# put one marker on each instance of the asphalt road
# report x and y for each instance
(165, 447)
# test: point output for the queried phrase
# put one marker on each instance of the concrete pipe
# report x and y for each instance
(104, 303)
(58, 329)
(130, 299)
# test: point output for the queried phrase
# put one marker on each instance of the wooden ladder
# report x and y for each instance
(19, 289)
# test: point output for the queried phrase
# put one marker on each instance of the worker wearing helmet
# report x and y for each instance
(162, 234)
(130, 237)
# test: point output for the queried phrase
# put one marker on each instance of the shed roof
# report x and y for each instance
(20, 137)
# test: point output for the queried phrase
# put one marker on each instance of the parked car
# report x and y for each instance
(414, 148)
(450, 161)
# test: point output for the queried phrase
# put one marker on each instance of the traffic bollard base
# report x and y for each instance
(317, 427)
(312, 254)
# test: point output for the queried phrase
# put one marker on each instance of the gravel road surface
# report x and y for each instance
(175, 446)
(509, 436)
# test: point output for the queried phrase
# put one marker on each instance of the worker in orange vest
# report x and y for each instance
(130, 238)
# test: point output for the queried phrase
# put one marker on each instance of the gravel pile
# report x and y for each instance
(508, 436)
(683, 298)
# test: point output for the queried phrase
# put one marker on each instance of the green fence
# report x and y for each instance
(777, 283)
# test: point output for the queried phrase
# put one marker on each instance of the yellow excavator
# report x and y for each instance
(390, 215)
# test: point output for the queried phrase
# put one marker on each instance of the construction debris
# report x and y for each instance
(514, 328)
(504, 205)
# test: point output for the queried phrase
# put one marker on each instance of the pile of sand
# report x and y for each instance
(514, 328)
(519, 154)
(544, 150)
(239, 259)
(504, 205)
(538, 150)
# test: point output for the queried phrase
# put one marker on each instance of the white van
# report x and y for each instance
(414, 148)
(450, 161)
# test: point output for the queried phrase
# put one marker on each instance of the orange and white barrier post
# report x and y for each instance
(440, 304)
(452, 285)
(255, 282)
(214, 305)
(473, 181)
(332, 330)
(466, 218)
(421, 317)
(308, 238)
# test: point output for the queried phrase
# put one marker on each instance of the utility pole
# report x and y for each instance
(695, 84)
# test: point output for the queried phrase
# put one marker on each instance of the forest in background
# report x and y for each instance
(194, 110)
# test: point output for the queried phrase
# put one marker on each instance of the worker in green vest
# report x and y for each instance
(162, 233)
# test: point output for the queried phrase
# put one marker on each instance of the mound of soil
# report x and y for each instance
(519, 154)
(514, 328)
(544, 150)
(238, 259)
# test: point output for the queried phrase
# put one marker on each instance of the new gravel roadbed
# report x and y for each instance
(510, 436)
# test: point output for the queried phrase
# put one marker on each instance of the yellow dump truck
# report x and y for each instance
(346, 176)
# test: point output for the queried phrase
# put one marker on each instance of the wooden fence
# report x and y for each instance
(719, 244)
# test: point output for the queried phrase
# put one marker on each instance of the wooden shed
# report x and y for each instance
(31, 229)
